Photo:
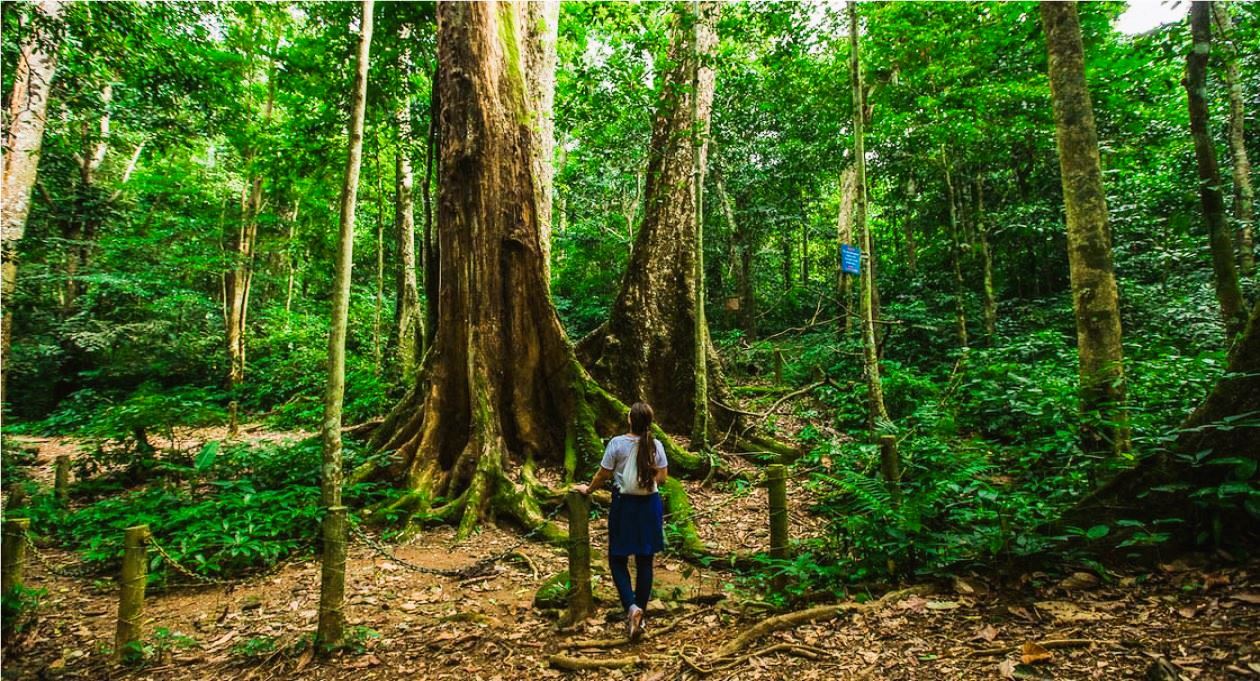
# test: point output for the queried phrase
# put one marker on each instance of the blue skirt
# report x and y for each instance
(636, 525)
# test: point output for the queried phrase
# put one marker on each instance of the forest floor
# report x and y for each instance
(1201, 617)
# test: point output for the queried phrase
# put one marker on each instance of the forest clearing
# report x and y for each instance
(357, 340)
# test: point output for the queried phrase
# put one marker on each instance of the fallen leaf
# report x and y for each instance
(1079, 580)
(1007, 669)
(1188, 611)
(942, 605)
(1032, 653)
(1253, 599)
(1069, 613)
(304, 659)
(965, 586)
(987, 633)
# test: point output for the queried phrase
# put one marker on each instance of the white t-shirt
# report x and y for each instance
(620, 457)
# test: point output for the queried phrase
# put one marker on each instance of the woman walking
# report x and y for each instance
(637, 465)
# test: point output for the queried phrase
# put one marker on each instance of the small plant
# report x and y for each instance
(255, 646)
(359, 639)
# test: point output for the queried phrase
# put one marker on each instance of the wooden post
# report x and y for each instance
(776, 484)
(332, 582)
(14, 550)
(890, 464)
(135, 566)
(581, 602)
(61, 482)
(778, 366)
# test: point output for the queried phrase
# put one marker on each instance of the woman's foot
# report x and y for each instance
(634, 623)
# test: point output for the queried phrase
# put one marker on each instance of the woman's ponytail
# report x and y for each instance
(641, 424)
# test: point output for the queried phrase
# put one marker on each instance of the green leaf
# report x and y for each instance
(206, 458)
(1097, 532)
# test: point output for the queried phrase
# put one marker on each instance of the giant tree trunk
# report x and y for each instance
(646, 349)
(501, 391)
(23, 138)
(542, 21)
(877, 413)
(1104, 427)
(1228, 292)
(333, 565)
(1244, 193)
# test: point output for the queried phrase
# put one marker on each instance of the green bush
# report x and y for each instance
(254, 506)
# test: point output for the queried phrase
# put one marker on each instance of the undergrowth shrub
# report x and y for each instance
(252, 506)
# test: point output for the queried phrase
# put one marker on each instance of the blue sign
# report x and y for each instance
(850, 259)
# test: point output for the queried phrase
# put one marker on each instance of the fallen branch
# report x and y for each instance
(807, 652)
(823, 612)
(1048, 645)
(577, 664)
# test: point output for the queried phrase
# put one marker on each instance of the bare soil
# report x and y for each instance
(1201, 617)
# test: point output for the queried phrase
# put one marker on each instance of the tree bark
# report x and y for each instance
(429, 251)
(542, 22)
(408, 316)
(23, 139)
(1228, 292)
(877, 413)
(1244, 192)
(501, 391)
(646, 349)
(332, 570)
(1104, 421)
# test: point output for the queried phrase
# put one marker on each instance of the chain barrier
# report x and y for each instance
(78, 572)
(175, 565)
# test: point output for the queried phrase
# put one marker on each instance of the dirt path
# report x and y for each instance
(1205, 621)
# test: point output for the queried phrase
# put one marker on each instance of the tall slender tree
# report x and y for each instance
(1104, 423)
(1228, 292)
(333, 566)
(955, 253)
(408, 317)
(23, 139)
(239, 278)
(877, 413)
(989, 299)
(1244, 192)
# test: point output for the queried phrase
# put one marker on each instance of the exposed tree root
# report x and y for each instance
(816, 614)
(577, 664)
(807, 652)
